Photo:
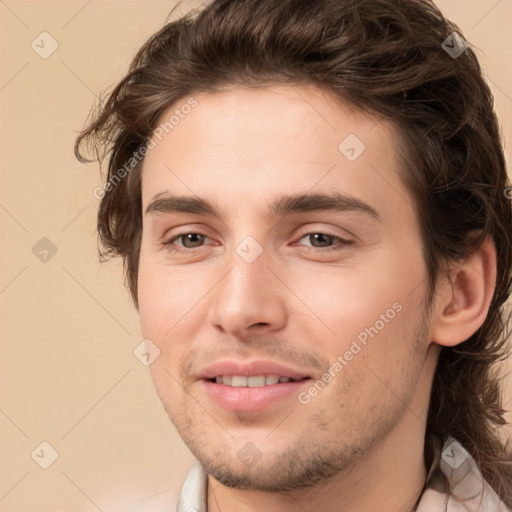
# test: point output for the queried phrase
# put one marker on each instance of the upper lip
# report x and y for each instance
(251, 368)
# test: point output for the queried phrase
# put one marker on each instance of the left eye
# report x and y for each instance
(319, 240)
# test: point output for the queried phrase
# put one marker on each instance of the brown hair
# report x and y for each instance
(385, 57)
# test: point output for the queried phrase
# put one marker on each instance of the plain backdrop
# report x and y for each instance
(68, 373)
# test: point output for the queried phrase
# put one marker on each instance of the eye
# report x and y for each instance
(319, 240)
(189, 240)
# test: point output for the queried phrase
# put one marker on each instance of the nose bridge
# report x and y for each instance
(246, 295)
(248, 275)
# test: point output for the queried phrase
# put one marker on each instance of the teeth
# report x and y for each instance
(239, 381)
(271, 379)
(255, 381)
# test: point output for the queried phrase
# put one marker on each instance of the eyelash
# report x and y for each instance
(324, 250)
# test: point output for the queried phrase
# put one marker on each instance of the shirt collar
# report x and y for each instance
(193, 497)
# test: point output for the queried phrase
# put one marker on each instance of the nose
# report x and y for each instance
(249, 299)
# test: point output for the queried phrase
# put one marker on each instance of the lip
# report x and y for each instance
(246, 399)
(251, 399)
(251, 368)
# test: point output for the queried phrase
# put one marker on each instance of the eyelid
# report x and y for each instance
(184, 229)
(325, 231)
(339, 243)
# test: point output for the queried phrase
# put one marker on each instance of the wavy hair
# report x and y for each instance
(386, 57)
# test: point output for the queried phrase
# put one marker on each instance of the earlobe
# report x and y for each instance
(465, 297)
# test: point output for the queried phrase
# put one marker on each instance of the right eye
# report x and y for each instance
(190, 241)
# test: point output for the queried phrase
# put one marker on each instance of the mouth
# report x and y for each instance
(252, 385)
(251, 395)
(253, 381)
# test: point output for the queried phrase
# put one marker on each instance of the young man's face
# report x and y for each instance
(334, 297)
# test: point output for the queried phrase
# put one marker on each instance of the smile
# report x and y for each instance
(255, 381)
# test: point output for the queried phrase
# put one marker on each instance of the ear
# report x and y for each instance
(463, 298)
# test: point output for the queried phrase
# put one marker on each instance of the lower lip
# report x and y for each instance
(246, 399)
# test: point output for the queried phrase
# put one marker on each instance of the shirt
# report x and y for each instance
(454, 484)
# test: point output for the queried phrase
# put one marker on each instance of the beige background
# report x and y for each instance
(68, 373)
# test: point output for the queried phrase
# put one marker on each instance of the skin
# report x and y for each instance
(358, 444)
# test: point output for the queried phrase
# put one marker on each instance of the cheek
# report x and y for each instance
(348, 300)
(153, 300)
(172, 309)
(370, 314)
(162, 303)
(165, 295)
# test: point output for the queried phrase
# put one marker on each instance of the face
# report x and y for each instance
(282, 279)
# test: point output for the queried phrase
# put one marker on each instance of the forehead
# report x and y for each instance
(244, 143)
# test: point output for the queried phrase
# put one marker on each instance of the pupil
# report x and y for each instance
(190, 238)
(318, 236)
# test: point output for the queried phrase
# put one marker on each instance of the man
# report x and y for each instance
(311, 202)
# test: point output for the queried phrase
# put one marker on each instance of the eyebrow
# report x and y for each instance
(163, 202)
